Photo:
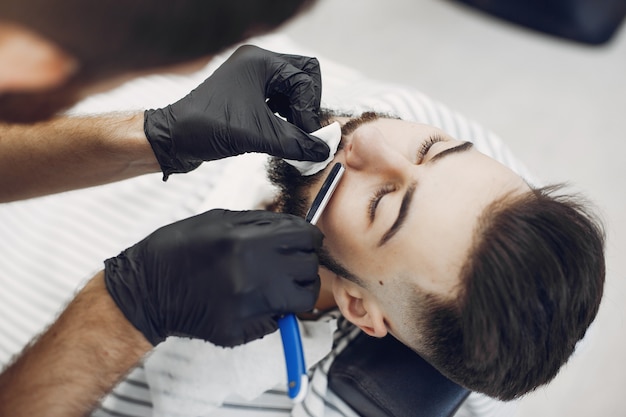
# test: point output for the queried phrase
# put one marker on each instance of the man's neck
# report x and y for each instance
(326, 299)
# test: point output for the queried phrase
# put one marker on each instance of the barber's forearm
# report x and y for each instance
(76, 361)
(67, 153)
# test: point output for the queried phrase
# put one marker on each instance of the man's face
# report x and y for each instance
(408, 204)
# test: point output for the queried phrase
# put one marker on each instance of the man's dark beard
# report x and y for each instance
(290, 183)
(293, 187)
(292, 199)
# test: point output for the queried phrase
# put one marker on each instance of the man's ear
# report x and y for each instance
(359, 307)
(31, 62)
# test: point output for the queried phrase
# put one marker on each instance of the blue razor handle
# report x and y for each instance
(297, 380)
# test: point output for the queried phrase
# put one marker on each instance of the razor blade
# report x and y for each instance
(297, 379)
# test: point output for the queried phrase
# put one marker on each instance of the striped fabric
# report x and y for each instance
(49, 246)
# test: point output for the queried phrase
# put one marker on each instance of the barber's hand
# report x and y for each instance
(222, 276)
(232, 112)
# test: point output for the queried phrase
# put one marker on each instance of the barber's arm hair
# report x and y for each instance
(68, 153)
(80, 358)
(532, 286)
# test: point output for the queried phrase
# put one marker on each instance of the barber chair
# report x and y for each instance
(383, 378)
(591, 22)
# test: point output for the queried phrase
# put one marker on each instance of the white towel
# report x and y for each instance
(192, 378)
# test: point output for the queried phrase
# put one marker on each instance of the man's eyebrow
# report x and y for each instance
(465, 146)
(407, 199)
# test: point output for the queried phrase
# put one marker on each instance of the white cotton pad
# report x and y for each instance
(330, 134)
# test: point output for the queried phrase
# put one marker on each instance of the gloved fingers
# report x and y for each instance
(247, 61)
(258, 217)
(298, 271)
(281, 139)
(311, 67)
(307, 64)
(302, 266)
(296, 95)
(301, 146)
(286, 231)
(304, 298)
(296, 295)
(293, 235)
(254, 217)
(294, 89)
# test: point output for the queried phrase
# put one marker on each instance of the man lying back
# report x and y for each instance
(492, 281)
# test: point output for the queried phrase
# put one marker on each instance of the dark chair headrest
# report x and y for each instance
(382, 377)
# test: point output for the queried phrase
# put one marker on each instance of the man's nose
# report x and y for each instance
(368, 151)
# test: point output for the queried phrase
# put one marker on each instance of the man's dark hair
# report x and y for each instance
(530, 288)
(110, 38)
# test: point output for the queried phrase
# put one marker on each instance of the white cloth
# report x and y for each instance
(330, 134)
(50, 245)
(207, 374)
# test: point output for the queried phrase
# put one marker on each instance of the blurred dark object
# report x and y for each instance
(588, 21)
(383, 378)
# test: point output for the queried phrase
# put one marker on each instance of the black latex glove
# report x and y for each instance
(232, 112)
(222, 276)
